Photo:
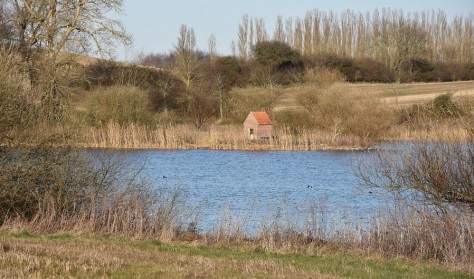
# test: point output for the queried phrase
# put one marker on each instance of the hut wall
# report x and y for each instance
(263, 131)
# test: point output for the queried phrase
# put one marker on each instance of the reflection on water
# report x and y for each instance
(256, 186)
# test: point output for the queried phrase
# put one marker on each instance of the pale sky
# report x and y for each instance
(154, 24)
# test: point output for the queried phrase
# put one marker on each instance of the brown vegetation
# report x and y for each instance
(48, 187)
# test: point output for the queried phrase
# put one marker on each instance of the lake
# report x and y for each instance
(253, 186)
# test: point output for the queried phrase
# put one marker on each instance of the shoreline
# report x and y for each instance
(322, 147)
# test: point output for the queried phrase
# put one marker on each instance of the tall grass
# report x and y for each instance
(225, 137)
(232, 137)
(431, 130)
(404, 230)
(421, 233)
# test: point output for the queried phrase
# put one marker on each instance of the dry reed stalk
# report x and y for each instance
(231, 137)
(446, 132)
(213, 137)
(423, 234)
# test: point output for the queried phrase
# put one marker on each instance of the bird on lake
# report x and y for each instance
(164, 177)
(310, 187)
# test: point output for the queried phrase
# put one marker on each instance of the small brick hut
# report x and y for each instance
(258, 125)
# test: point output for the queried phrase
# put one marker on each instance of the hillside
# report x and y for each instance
(395, 93)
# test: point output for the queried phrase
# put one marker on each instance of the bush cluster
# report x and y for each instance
(442, 107)
(121, 105)
(339, 113)
(51, 189)
(17, 111)
(353, 70)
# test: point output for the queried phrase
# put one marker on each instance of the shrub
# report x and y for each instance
(440, 173)
(353, 70)
(229, 67)
(341, 113)
(50, 189)
(203, 107)
(322, 77)
(442, 107)
(17, 111)
(294, 119)
(277, 62)
(244, 100)
(370, 70)
(122, 105)
(109, 73)
(166, 94)
(277, 55)
(416, 70)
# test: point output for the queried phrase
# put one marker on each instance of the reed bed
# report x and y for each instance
(406, 230)
(414, 233)
(443, 132)
(424, 234)
(230, 137)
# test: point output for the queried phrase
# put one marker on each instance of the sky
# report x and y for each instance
(154, 24)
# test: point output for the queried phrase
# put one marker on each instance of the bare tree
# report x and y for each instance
(298, 35)
(47, 29)
(221, 89)
(233, 48)
(326, 35)
(388, 36)
(250, 39)
(187, 60)
(242, 43)
(212, 47)
(347, 25)
(289, 32)
(165, 87)
(411, 44)
(308, 31)
(361, 40)
(260, 30)
(69, 25)
(6, 29)
(316, 40)
(279, 34)
(436, 172)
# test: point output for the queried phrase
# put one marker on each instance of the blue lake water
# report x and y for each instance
(257, 186)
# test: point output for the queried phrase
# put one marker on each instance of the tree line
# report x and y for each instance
(387, 35)
(383, 46)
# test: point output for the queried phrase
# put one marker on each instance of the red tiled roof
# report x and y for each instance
(261, 117)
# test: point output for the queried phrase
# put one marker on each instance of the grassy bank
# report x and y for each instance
(57, 256)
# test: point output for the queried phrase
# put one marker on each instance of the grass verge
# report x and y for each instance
(24, 255)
